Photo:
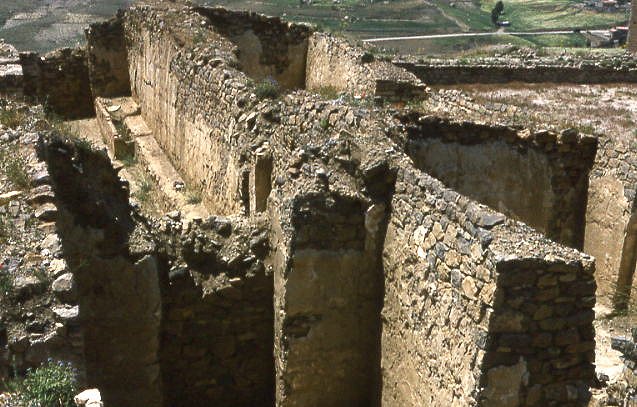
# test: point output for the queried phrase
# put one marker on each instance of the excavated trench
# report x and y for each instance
(170, 317)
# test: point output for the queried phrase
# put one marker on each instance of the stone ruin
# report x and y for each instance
(343, 253)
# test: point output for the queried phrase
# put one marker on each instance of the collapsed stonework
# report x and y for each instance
(332, 268)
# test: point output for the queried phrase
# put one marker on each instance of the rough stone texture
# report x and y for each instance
(494, 295)
(267, 48)
(116, 274)
(344, 274)
(11, 78)
(334, 64)
(107, 59)
(60, 81)
(610, 223)
(216, 335)
(524, 68)
(540, 178)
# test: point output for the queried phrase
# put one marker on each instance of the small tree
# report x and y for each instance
(496, 11)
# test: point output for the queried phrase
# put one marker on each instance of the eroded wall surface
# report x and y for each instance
(450, 303)
(188, 104)
(610, 206)
(116, 272)
(333, 64)
(267, 48)
(328, 289)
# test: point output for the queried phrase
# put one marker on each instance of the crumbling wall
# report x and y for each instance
(445, 74)
(266, 46)
(190, 102)
(108, 59)
(116, 272)
(541, 178)
(478, 310)
(60, 81)
(334, 64)
(217, 329)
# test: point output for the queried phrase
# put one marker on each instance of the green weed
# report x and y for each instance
(193, 197)
(54, 384)
(11, 118)
(267, 89)
(14, 167)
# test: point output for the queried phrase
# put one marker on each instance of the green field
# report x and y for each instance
(47, 24)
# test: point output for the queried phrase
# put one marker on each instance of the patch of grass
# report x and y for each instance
(6, 281)
(54, 384)
(328, 92)
(11, 118)
(193, 197)
(84, 144)
(14, 167)
(145, 189)
(267, 89)
(129, 160)
(553, 15)
(324, 124)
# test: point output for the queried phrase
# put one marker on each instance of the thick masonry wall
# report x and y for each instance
(268, 48)
(328, 286)
(510, 309)
(116, 273)
(435, 74)
(188, 104)
(333, 63)
(60, 81)
(610, 223)
(107, 59)
(540, 179)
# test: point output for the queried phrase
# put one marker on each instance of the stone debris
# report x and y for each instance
(89, 398)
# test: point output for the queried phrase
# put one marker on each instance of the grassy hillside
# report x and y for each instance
(43, 25)
(553, 14)
(47, 24)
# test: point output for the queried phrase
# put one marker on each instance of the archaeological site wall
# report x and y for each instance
(59, 80)
(540, 179)
(116, 276)
(610, 220)
(447, 74)
(107, 59)
(336, 269)
(267, 48)
(216, 335)
(461, 281)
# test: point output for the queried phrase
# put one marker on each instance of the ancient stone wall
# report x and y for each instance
(107, 59)
(189, 103)
(327, 303)
(609, 228)
(334, 64)
(540, 179)
(443, 74)
(116, 272)
(267, 48)
(60, 81)
(478, 309)
(217, 329)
